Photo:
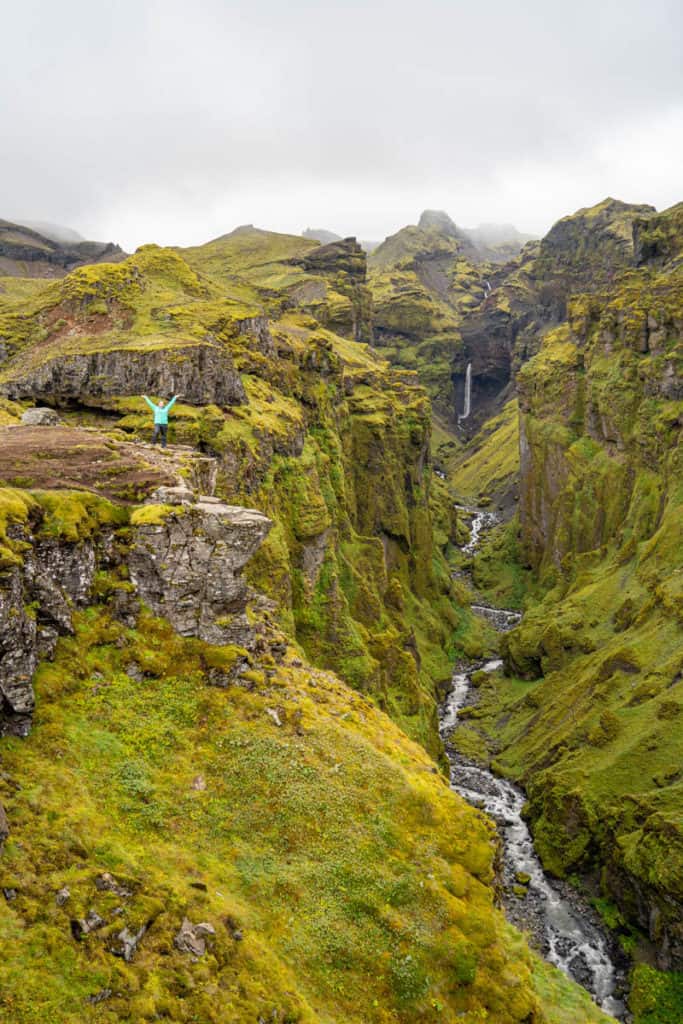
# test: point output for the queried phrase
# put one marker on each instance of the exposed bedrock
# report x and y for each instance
(36, 602)
(203, 374)
(187, 568)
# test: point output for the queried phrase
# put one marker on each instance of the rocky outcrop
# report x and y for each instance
(342, 264)
(658, 238)
(192, 938)
(345, 256)
(187, 567)
(441, 222)
(202, 373)
(36, 600)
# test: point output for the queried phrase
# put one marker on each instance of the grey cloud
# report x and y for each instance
(160, 120)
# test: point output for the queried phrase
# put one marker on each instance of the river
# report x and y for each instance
(561, 926)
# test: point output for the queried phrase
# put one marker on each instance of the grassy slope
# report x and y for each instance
(490, 464)
(358, 881)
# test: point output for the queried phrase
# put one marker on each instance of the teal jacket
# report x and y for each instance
(160, 411)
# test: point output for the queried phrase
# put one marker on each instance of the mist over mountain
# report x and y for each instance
(55, 232)
(496, 242)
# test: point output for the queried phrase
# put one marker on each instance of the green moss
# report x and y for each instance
(501, 578)
(15, 508)
(315, 840)
(490, 465)
(76, 515)
(656, 997)
(152, 515)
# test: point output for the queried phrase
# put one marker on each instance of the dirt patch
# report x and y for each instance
(72, 320)
(81, 459)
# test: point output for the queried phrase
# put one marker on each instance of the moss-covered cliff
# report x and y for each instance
(316, 430)
(596, 734)
(425, 279)
(228, 831)
(440, 307)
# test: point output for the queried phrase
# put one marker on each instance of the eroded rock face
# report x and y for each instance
(203, 374)
(345, 255)
(187, 568)
(344, 264)
(36, 599)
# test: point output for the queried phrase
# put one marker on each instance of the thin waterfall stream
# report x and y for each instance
(564, 929)
(468, 394)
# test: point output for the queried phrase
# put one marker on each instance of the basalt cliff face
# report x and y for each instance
(212, 655)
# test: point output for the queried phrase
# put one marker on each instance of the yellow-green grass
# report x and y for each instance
(490, 464)
(358, 883)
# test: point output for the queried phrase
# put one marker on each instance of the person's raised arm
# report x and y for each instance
(149, 402)
(172, 403)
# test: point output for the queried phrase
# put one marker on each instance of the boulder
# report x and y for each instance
(40, 417)
(126, 943)
(192, 937)
(92, 922)
(4, 826)
(63, 896)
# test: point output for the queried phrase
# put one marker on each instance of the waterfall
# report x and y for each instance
(468, 393)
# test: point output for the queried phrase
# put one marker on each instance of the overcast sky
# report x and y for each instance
(174, 121)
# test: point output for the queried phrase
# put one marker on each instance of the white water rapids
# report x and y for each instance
(567, 938)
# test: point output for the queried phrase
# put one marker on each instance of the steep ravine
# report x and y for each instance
(560, 925)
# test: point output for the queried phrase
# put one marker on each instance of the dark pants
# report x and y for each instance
(160, 430)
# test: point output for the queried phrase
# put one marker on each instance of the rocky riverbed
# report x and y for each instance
(561, 924)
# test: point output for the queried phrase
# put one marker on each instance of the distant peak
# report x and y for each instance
(438, 219)
(321, 235)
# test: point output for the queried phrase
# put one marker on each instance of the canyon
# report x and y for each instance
(224, 783)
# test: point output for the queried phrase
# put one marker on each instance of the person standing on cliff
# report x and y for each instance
(160, 418)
